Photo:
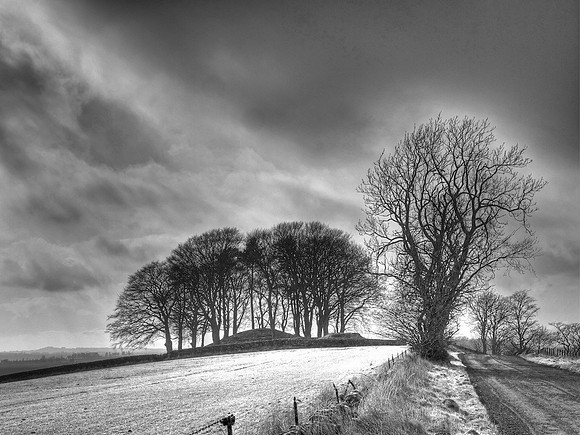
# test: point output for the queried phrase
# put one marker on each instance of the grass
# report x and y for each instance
(561, 362)
(409, 398)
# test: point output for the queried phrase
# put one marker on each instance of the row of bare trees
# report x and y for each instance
(295, 275)
(503, 322)
(508, 324)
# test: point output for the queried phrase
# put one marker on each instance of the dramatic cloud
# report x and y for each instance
(125, 129)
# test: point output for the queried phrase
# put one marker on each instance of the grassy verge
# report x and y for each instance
(561, 362)
(414, 397)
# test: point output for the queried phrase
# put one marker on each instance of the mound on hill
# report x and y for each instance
(343, 336)
(262, 334)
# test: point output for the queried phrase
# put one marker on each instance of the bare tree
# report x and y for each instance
(260, 253)
(144, 308)
(289, 247)
(396, 315)
(446, 210)
(238, 295)
(499, 330)
(188, 316)
(480, 309)
(542, 338)
(522, 320)
(568, 335)
(490, 313)
(209, 261)
(355, 288)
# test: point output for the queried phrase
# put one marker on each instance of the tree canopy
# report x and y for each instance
(444, 211)
(303, 274)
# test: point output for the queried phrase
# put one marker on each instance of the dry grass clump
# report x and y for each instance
(390, 401)
(386, 407)
(413, 397)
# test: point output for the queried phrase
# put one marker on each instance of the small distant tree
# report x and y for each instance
(144, 309)
(568, 336)
(481, 308)
(499, 329)
(446, 209)
(356, 287)
(522, 320)
(542, 338)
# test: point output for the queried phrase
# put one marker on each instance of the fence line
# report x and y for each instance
(346, 404)
(225, 421)
(296, 429)
(559, 351)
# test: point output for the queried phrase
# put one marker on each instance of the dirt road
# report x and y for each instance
(524, 398)
(178, 396)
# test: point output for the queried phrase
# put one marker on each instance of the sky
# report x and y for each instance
(128, 127)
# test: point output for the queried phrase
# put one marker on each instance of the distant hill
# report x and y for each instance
(47, 356)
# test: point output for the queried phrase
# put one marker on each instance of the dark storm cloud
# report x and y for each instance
(105, 192)
(559, 263)
(113, 248)
(53, 210)
(17, 83)
(315, 73)
(116, 137)
(297, 85)
(122, 254)
(50, 100)
(15, 157)
(47, 273)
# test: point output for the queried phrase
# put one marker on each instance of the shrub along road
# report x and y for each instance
(524, 398)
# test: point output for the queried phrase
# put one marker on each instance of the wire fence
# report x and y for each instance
(227, 422)
(346, 407)
(559, 351)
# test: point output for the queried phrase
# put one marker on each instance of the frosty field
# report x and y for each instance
(178, 396)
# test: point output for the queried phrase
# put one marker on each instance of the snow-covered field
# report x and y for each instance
(572, 364)
(179, 396)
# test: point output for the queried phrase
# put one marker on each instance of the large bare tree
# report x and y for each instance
(266, 274)
(446, 209)
(144, 308)
(210, 263)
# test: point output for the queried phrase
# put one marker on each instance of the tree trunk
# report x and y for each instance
(180, 333)
(203, 332)
(252, 297)
(193, 327)
(215, 331)
(168, 342)
(433, 342)
(307, 318)
(296, 325)
(342, 319)
(270, 312)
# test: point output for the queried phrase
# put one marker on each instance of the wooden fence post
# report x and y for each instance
(295, 412)
(229, 422)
